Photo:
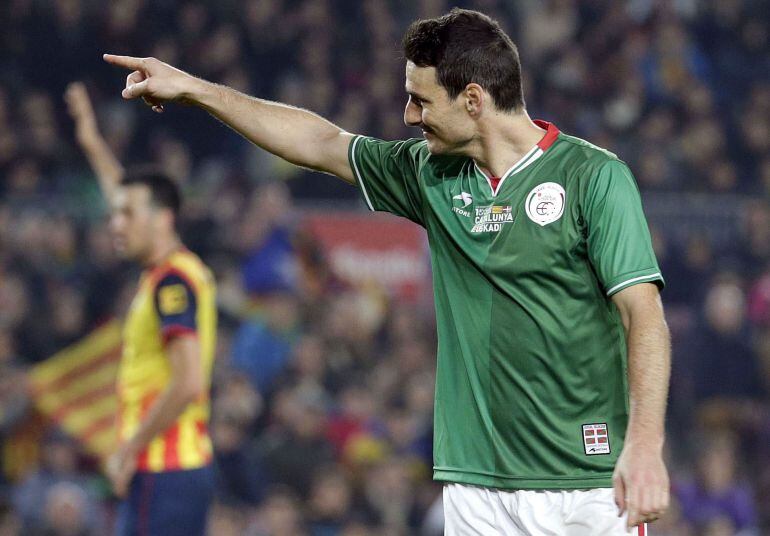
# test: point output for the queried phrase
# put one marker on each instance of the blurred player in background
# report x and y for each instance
(553, 354)
(162, 468)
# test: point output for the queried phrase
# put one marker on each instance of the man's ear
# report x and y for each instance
(167, 217)
(474, 99)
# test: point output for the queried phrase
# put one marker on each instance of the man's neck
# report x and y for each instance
(503, 140)
(162, 249)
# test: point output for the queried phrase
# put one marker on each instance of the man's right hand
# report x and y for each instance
(154, 81)
(299, 136)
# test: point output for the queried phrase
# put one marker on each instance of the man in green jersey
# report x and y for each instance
(553, 355)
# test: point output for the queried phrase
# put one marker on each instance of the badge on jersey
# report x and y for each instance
(172, 299)
(176, 306)
(596, 440)
(545, 203)
(492, 218)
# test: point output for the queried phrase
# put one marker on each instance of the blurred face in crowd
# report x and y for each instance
(60, 456)
(136, 222)
(65, 509)
(331, 496)
(726, 308)
(446, 124)
(716, 465)
(280, 514)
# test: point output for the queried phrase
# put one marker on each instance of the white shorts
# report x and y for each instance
(472, 510)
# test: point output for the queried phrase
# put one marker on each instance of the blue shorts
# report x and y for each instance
(167, 504)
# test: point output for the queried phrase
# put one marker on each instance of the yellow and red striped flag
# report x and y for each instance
(76, 389)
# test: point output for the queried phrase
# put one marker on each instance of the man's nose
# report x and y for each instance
(412, 116)
(115, 224)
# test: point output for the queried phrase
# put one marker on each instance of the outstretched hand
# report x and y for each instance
(152, 80)
(82, 112)
(96, 149)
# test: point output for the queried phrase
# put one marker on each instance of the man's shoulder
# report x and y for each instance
(187, 266)
(588, 150)
(583, 161)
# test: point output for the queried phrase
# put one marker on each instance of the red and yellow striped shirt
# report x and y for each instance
(176, 298)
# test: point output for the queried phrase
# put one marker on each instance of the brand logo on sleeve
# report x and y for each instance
(596, 440)
(545, 203)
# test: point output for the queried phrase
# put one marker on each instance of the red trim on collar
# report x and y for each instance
(552, 132)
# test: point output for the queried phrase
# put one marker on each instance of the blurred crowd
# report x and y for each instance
(322, 397)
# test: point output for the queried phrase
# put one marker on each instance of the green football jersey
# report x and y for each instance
(531, 380)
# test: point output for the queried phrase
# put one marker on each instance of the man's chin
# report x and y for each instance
(433, 145)
(437, 148)
(122, 252)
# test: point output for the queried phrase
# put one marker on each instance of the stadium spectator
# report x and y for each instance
(61, 488)
(726, 365)
(294, 444)
(65, 507)
(330, 503)
(716, 499)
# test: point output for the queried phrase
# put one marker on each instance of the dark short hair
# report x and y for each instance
(467, 46)
(164, 193)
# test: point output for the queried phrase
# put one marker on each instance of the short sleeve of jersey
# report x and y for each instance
(176, 306)
(387, 173)
(619, 243)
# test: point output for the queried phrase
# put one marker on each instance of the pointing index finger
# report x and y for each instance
(128, 62)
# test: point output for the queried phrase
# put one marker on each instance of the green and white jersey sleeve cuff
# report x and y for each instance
(357, 171)
(629, 280)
